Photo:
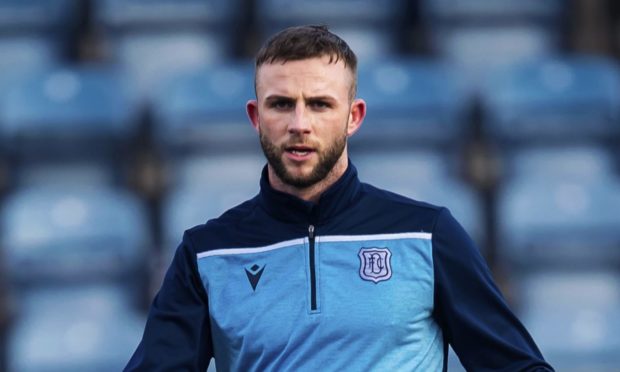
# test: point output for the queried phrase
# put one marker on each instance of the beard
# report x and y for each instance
(327, 160)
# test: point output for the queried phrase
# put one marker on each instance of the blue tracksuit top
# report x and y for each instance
(363, 280)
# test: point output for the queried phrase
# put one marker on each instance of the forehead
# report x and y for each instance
(308, 76)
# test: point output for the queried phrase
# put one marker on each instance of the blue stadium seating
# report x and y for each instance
(371, 28)
(560, 207)
(137, 13)
(206, 108)
(34, 15)
(32, 35)
(69, 233)
(151, 58)
(75, 258)
(480, 10)
(74, 329)
(204, 188)
(411, 101)
(481, 35)
(561, 99)
(578, 162)
(24, 53)
(573, 316)
(34, 28)
(425, 176)
(79, 110)
(155, 40)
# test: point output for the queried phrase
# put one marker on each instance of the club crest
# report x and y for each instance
(375, 264)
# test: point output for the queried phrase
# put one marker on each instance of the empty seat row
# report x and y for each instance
(77, 260)
(557, 214)
(410, 101)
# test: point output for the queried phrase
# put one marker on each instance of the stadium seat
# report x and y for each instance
(577, 162)
(482, 35)
(204, 188)
(34, 15)
(371, 28)
(410, 102)
(70, 233)
(573, 316)
(73, 120)
(559, 208)
(481, 10)
(155, 40)
(73, 329)
(559, 99)
(425, 176)
(25, 53)
(82, 110)
(136, 13)
(33, 35)
(152, 58)
(206, 108)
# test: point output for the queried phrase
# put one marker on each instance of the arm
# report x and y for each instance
(470, 309)
(177, 336)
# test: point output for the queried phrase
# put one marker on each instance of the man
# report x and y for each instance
(320, 271)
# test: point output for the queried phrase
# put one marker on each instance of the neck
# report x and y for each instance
(312, 193)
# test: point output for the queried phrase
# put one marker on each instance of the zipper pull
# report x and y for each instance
(311, 231)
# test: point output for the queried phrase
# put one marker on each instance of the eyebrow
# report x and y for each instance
(276, 97)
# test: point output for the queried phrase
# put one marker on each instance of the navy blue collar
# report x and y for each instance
(288, 208)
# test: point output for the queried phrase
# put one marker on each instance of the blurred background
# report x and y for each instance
(122, 123)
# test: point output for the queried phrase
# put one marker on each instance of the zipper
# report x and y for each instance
(312, 268)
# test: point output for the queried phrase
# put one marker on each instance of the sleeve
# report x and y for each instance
(177, 336)
(471, 310)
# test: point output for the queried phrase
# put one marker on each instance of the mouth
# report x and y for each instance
(299, 151)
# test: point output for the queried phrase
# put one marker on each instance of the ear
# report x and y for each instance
(252, 110)
(356, 116)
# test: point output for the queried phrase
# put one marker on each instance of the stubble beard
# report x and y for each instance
(327, 160)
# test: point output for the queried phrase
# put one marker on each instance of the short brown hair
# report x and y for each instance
(304, 42)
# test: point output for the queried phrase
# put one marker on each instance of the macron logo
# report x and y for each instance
(254, 273)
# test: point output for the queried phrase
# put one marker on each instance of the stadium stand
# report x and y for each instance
(155, 40)
(82, 116)
(558, 224)
(168, 82)
(77, 303)
(481, 35)
(204, 109)
(557, 99)
(559, 207)
(428, 176)
(370, 27)
(206, 186)
(34, 32)
(411, 101)
(573, 315)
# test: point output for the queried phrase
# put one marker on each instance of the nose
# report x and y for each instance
(300, 122)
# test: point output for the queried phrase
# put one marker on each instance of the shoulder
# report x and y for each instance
(393, 198)
(389, 199)
(221, 231)
(394, 212)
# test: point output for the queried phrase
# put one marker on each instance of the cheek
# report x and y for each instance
(273, 122)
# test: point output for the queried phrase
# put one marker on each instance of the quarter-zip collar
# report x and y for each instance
(289, 208)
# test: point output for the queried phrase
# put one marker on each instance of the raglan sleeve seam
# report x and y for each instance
(194, 263)
(432, 256)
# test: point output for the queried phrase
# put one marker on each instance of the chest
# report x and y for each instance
(320, 288)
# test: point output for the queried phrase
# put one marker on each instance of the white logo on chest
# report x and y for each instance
(375, 264)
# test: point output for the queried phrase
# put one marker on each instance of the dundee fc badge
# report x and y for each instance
(375, 264)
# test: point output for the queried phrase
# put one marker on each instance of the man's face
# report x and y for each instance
(304, 115)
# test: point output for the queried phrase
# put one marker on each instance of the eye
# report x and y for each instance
(320, 104)
(281, 104)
